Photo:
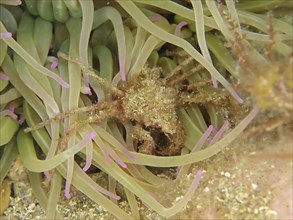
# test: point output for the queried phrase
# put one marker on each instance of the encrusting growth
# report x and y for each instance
(268, 81)
(151, 103)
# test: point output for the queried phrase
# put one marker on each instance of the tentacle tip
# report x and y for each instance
(5, 35)
(11, 114)
(215, 84)
(240, 100)
(155, 18)
(65, 85)
(86, 167)
(4, 77)
(113, 196)
(199, 174)
(123, 76)
(54, 64)
(67, 195)
(237, 97)
(56, 111)
(21, 120)
(92, 135)
(179, 27)
(123, 165)
(211, 127)
(87, 90)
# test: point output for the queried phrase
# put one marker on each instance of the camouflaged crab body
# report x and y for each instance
(151, 106)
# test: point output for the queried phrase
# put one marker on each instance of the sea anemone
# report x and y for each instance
(117, 41)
